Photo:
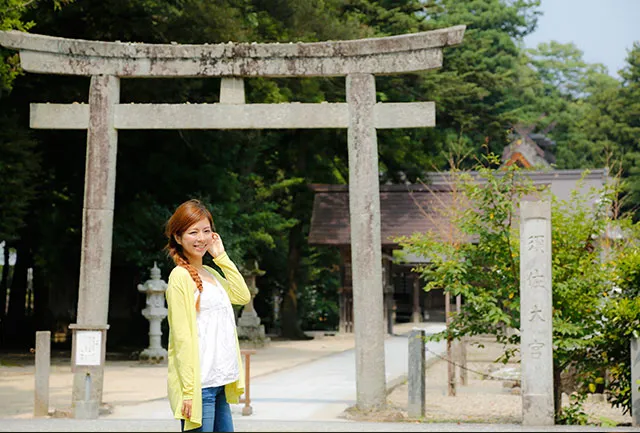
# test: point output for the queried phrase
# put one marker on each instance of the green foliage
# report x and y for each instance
(629, 112)
(477, 256)
(474, 91)
(620, 323)
(18, 167)
(589, 114)
(319, 295)
(574, 414)
(593, 314)
(11, 19)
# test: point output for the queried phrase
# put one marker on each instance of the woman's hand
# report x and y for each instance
(186, 408)
(216, 247)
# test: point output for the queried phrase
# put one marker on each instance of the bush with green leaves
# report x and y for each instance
(594, 275)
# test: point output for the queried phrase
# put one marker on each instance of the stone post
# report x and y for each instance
(43, 368)
(366, 254)
(249, 327)
(635, 382)
(232, 90)
(97, 224)
(535, 313)
(88, 351)
(416, 373)
(154, 312)
(416, 313)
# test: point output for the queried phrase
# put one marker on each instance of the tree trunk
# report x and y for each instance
(4, 285)
(557, 391)
(20, 336)
(290, 321)
(42, 314)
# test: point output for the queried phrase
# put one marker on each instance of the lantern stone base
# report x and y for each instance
(153, 356)
(250, 332)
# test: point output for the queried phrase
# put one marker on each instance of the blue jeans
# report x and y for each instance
(216, 412)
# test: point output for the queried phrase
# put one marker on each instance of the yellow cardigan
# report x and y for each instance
(183, 378)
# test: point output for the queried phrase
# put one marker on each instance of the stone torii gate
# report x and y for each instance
(106, 62)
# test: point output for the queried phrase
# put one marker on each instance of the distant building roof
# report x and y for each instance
(529, 151)
(417, 208)
(404, 210)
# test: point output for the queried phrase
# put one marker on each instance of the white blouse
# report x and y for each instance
(216, 336)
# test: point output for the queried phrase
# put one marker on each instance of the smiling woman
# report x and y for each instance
(205, 369)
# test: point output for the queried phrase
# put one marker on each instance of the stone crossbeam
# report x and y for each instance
(387, 55)
(234, 116)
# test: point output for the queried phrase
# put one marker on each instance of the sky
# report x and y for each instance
(604, 30)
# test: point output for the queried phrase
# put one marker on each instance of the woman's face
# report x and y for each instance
(196, 239)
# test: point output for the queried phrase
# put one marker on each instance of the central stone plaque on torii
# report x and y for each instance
(357, 60)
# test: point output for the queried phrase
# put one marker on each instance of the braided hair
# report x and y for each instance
(187, 214)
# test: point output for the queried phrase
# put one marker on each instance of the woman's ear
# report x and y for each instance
(177, 238)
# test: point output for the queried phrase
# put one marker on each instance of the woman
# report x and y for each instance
(204, 365)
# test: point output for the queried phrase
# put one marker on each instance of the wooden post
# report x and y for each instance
(246, 399)
(451, 372)
(462, 348)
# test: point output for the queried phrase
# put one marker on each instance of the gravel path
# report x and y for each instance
(483, 399)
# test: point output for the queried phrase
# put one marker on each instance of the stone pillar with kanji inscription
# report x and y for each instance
(535, 313)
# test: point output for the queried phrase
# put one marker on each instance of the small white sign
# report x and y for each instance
(88, 347)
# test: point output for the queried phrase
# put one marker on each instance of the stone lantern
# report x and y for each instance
(249, 328)
(155, 312)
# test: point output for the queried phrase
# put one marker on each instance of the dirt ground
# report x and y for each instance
(486, 398)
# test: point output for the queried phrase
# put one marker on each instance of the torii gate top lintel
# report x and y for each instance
(385, 55)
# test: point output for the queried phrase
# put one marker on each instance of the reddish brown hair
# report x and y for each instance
(186, 215)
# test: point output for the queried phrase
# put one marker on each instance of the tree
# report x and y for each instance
(474, 91)
(630, 117)
(484, 270)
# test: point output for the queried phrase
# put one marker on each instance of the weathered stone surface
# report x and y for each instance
(366, 256)
(102, 145)
(232, 91)
(387, 55)
(155, 312)
(58, 116)
(536, 344)
(234, 116)
(88, 378)
(135, 50)
(416, 374)
(43, 369)
(420, 60)
(95, 262)
(250, 331)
